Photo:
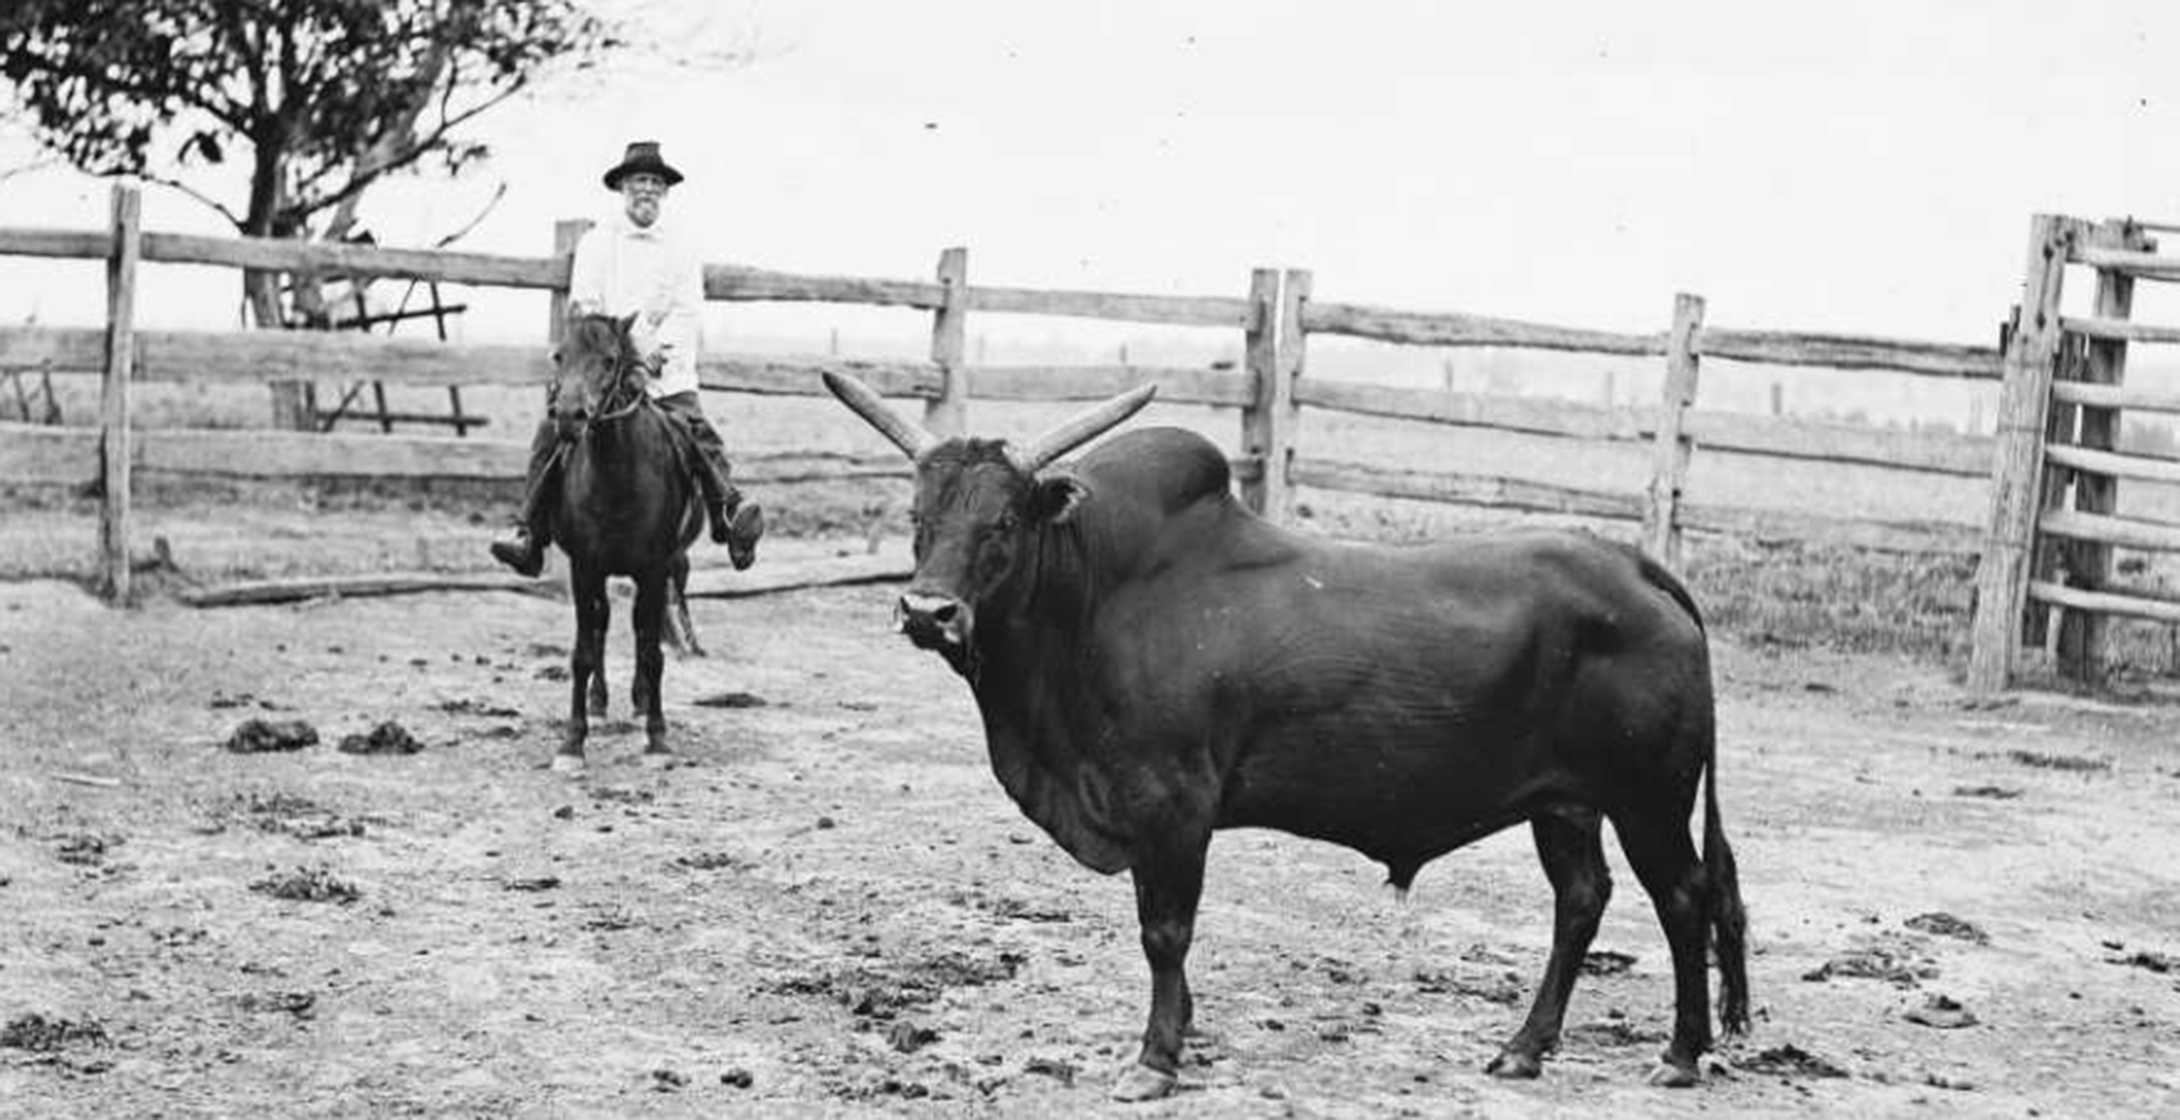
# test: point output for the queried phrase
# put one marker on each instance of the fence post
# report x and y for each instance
(113, 402)
(2044, 552)
(2089, 563)
(2017, 464)
(1669, 467)
(1267, 432)
(1294, 295)
(566, 233)
(948, 413)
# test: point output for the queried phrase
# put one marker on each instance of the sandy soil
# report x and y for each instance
(829, 907)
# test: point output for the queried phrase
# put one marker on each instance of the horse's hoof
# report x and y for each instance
(1672, 1075)
(1515, 1065)
(569, 764)
(1142, 1083)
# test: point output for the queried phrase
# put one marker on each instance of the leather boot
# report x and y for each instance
(520, 551)
(738, 526)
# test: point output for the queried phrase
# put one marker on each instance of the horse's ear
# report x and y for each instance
(628, 322)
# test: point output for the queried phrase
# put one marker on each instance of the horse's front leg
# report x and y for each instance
(590, 595)
(650, 660)
(604, 608)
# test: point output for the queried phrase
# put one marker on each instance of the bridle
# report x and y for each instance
(620, 384)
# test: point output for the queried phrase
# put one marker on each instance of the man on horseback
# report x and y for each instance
(633, 265)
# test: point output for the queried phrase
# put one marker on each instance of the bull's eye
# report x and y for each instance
(1007, 523)
(556, 356)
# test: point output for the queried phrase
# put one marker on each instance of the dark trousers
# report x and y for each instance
(711, 467)
(685, 409)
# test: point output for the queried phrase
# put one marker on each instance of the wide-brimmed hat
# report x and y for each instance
(643, 155)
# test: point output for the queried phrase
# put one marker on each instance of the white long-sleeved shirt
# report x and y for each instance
(653, 273)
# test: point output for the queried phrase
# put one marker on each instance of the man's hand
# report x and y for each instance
(654, 363)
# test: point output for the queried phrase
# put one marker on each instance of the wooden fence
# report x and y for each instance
(1277, 317)
(2055, 483)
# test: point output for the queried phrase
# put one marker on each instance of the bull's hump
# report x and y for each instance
(1166, 469)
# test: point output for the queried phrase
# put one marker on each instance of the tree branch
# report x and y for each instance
(301, 207)
(192, 192)
(251, 50)
(25, 169)
(483, 212)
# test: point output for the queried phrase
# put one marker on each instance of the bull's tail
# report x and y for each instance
(1723, 909)
(1728, 921)
(1661, 577)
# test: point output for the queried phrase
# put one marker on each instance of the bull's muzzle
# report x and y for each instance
(933, 621)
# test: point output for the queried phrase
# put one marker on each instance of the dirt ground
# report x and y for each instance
(828, 906)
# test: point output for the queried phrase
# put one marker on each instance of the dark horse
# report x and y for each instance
(626, 507)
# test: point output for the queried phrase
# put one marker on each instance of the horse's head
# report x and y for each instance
(595, 368)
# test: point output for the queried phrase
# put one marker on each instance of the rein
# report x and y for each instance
(622, 364)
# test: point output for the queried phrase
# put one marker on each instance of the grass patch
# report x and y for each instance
(1799, 596)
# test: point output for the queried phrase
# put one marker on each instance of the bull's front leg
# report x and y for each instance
(1169, 881)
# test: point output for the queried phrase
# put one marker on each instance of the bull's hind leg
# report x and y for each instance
(650, 617)
(583, 664)
(1568, 844)
(1664, 859)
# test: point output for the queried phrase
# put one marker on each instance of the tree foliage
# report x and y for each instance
(318, 98)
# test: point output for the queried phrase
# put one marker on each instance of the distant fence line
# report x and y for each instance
(1277, 317)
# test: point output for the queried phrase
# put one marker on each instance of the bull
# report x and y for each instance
(1152, 662)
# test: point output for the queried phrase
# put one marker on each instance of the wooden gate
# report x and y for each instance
(2055, 477)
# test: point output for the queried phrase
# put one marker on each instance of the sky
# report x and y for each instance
(1846, 166)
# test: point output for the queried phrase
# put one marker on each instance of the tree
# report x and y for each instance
(321, 98)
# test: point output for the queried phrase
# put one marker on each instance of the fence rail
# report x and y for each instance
(1784, 348)
(1425, 329)
(2134, 263)
(1276, 318)
(2115, 396)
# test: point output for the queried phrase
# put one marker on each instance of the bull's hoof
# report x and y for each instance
(569, 764)
(1669, 1074)
(1515, 1065)
(1142, 1083)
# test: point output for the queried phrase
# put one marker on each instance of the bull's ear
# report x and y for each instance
(1058, 497)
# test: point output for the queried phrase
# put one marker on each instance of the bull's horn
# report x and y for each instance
(1086, 425)
(905, 433)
